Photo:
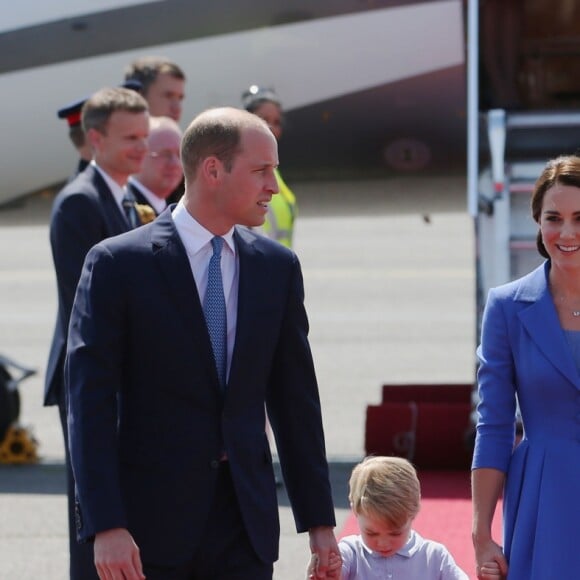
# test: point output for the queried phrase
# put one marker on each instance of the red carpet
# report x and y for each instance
(445, 515)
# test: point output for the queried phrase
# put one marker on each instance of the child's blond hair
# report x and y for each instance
(387, 488)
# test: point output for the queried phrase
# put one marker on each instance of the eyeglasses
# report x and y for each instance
(165, 155)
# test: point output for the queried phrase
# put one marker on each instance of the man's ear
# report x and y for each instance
(95, 139)
(212, 168)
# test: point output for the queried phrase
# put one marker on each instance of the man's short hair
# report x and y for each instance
(216, 132)
(99, 107)
(77, 136)
(386, 488)
(146, 69)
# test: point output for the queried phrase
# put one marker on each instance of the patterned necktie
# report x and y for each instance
(214, 309)
(130, 210)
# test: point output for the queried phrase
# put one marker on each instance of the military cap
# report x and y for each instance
(72, 112)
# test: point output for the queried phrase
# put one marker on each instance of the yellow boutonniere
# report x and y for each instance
(146, 213)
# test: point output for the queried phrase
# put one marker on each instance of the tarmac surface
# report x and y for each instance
(390, 290)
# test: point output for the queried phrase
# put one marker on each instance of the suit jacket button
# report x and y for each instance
(214, 464)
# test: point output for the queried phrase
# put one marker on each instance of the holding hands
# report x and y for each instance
(325, 561)
(489, 570)
(333, 570)
(491, 563)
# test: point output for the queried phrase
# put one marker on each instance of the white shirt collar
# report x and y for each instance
(156, 202)
(194, 236)
(410, 547)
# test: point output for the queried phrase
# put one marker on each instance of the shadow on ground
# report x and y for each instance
(42, 478)
(50, 479)
(339, 475)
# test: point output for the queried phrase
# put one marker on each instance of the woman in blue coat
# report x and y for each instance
(530, 353)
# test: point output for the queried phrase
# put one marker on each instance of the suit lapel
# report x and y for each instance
(116, 221)
(173, 263)
(139, 197)
(541, 321)
(249, 272)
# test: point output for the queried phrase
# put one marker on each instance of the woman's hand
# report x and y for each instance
(490, 561)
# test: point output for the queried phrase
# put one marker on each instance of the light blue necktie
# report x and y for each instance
(131, 214)
(214, 309)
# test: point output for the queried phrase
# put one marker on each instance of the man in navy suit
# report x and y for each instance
(88, 210)
(172, 465)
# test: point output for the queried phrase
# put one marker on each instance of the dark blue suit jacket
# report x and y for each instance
(146, 433)
(83, 213)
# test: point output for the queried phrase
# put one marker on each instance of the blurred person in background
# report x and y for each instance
(279, 224)
(163, 85)
(162, 171)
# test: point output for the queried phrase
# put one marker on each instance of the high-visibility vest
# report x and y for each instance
(282, 209)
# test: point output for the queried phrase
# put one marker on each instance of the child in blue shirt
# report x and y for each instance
(385, 497)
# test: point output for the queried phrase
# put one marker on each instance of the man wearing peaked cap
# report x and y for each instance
(72, 114)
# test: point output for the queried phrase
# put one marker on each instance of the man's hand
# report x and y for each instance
(322, 545)
(117, 556)
(334, 567)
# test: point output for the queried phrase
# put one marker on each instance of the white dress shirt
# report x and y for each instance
(197, 242)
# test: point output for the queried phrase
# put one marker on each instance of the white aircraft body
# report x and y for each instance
(370, 88)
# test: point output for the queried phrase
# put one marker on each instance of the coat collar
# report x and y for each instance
(117, 222)
(541, 321)
(249, 288)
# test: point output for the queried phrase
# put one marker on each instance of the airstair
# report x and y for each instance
(505, 231)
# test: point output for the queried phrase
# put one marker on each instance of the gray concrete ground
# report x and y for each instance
(389, 276)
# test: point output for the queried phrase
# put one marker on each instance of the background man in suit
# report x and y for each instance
(161, 172)
(72, 114)
(163, 86)
(87, 210)
(172, 464)
(162, 82)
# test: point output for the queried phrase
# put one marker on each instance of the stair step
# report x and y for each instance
(521, 187)
(527, 244)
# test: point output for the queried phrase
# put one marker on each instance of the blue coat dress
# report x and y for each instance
(524, 353)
